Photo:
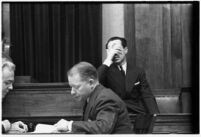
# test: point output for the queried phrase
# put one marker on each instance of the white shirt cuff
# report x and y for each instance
(70, 126)
(6, 124)
(107, 62)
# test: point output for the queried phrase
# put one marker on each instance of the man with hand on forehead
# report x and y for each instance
(126, 79)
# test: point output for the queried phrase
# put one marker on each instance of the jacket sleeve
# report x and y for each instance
(3, 129)
(106, 118)
(102, 73)
(148, 98)
(4, 126)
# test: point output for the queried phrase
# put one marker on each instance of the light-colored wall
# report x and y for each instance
(112, 23)
(6, 21)
(6, 27)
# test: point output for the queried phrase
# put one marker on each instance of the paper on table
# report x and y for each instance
(45, 128)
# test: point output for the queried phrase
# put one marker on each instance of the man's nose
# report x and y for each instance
(72, 91)
(10, 87)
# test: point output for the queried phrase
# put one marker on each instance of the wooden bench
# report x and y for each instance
(174, 100)
(170, 123)
(40, 103)
(35, 103)
(168, 100)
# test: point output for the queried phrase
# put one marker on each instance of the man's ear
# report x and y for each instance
(91, 81)
(126, 50)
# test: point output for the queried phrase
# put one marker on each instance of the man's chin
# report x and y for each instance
(3, 96)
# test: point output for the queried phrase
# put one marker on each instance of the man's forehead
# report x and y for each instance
(8, 75)
(6, 70)
(74, 78)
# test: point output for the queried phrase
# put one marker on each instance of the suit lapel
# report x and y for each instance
(86, 112)
(131, 77)
(115, 74)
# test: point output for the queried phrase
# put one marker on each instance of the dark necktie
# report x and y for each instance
(84, 110)
(123, 83)
(122, 71)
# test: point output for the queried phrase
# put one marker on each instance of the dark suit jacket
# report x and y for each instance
(133, 89)
(3, 129)
(105, 113)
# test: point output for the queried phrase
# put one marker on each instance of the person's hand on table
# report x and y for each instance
(63, 125)
(18, 127)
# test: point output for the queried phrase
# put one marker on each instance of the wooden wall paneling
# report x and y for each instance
(160, 41)
(176, 43)
(156, 50)
(129, 17)
(149, 48)
(186, 26)
(167, 46)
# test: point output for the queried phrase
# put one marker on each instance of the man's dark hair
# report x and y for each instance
(123, 41)
(85, 70)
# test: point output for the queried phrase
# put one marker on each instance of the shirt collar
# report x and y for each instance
(124, 66)
(91, 93)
